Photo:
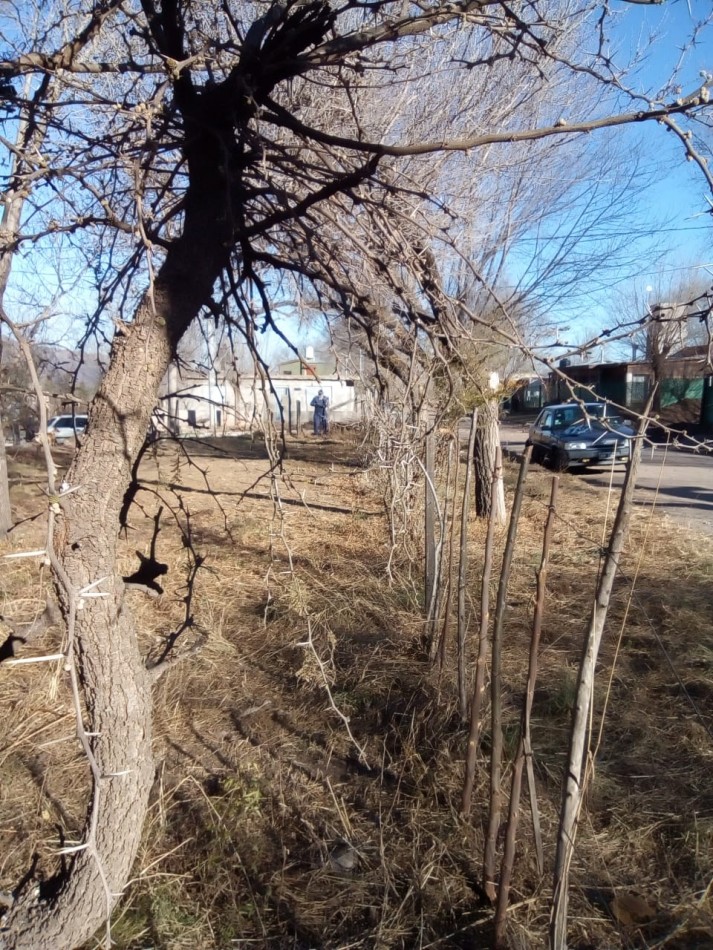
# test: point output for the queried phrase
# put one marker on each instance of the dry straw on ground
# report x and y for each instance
(259, 780)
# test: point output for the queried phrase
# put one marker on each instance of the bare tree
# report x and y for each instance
(201, 158)
(30, 132)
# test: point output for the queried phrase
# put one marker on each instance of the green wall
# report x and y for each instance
(676, 390)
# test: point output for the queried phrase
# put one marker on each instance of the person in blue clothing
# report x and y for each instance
(320, 404)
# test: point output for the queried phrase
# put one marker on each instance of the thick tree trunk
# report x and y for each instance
(116, 688)
(114, 683)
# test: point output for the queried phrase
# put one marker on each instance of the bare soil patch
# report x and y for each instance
(310, 726)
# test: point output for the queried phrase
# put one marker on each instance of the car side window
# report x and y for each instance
(570, 415)
(68, 422)
(546, 421)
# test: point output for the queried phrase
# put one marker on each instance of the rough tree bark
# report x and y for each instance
(65, 912)
(209, 90)
(115, 682)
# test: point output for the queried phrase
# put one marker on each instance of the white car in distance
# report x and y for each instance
(60, 428)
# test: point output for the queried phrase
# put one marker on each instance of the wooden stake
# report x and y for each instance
(572, 793)
(524, 752)
(476, 702)
(429, 529)
(496, 739)
(463, 571)
(442, 646)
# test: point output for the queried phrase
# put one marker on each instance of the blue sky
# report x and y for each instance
(679, 191)
(677, 194)
(669, 228)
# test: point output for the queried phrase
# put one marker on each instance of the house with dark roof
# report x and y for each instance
(685, 384)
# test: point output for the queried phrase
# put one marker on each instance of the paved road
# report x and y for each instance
(684, 479)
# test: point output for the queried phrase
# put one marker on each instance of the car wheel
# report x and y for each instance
(560, 460)
(538, 454)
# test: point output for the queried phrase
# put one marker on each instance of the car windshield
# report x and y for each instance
(566, 416)
(610, 422)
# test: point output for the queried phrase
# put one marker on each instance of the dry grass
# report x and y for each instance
(259, 778)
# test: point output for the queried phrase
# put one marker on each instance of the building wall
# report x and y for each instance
(195, 405)
(707, 402)
(638, 386)
(614, 384)
(681, 390)
(316, 368)
(294, 395)
(528, 396)
(191, 405)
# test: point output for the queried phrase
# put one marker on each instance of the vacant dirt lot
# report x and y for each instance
(309, 759)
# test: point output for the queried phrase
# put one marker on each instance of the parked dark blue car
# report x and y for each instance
(575, 433)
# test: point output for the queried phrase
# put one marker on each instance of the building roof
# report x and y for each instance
(319, 365)
(700, 352)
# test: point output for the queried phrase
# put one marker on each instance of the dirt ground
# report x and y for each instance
(309, 758)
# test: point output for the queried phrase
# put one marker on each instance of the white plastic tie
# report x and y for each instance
(84, 592)
(50, 658)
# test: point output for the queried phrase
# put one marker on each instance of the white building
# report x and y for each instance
(298, 380)
(197, 402)
(201, 403)
(295, 393)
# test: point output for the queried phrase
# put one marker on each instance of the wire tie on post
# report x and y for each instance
(85, 590)
(35, 659)
(89, 591)
(73, 849)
